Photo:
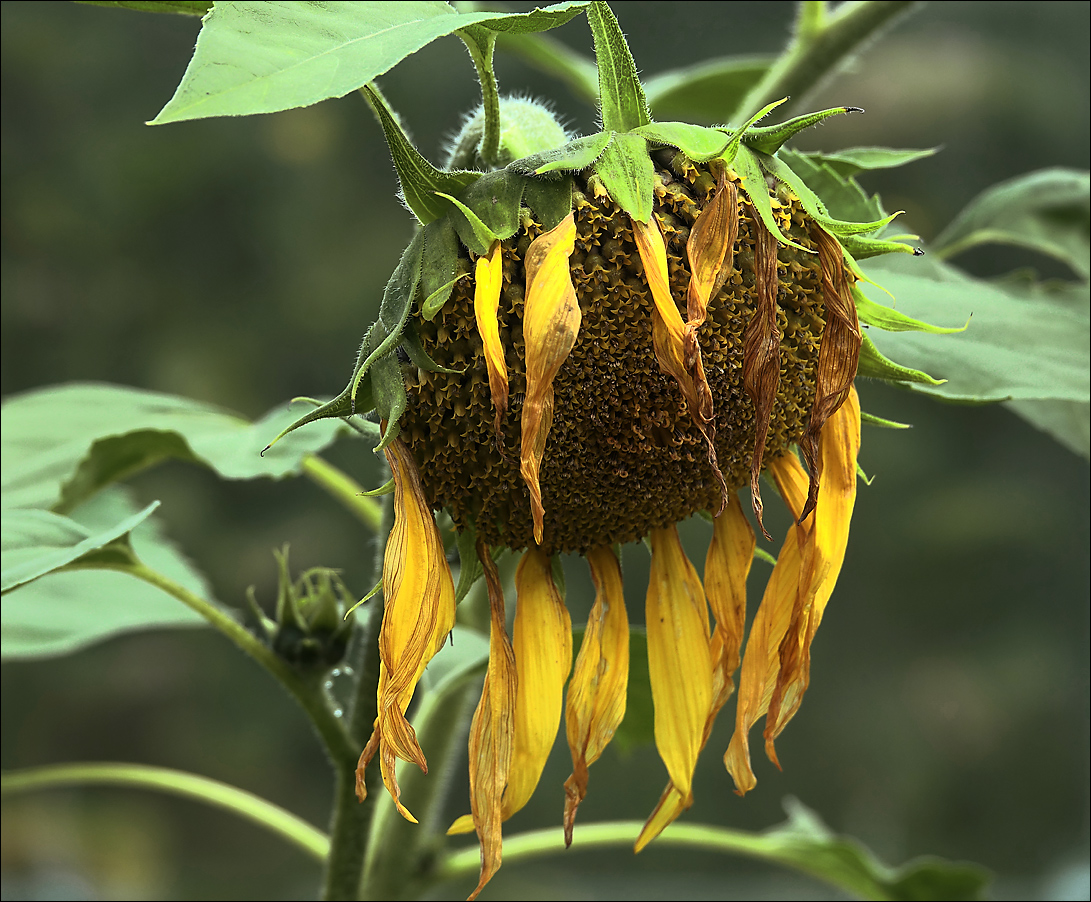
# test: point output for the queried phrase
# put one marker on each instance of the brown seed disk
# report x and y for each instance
(624, 455)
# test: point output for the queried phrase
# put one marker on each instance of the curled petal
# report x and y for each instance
(822, 557)
(488, 281)
(838, 353)
(543, 659)
(761, 662)
(676, 347)
(492, 729)
(710, 249)
(419, 613)
(551, 322)
(596, 693)
(679, 662)
(761, 352)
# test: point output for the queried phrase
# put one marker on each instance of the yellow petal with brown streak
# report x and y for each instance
(596, 693)
(551, 323)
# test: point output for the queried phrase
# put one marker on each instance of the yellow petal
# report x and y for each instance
(674, 342)
(761, 353)
(726, 569)
(419, 613)
(551, 322)
(710, 249)
(488, 280)
(543, 659)
(838, 353)
(679, 663)
(596, 693)
(822, 557)
(491, 730)
(761, 662)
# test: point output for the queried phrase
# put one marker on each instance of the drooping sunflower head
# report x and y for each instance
(600, 338)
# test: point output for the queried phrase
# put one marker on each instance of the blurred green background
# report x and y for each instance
(239, 262)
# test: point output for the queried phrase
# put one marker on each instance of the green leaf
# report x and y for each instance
(891, 320)
(769, 139)
(854, 159)
(439, 266)
(390, 397)
(1048, 211)
(707, 92)
(423, 185)
(629, 175)
(60, 445)
(469, 566)
(806, 843)
(179, 7)
(1023, 340)
(254, 57)
(549, 199)
(843, 197)
(753, 183)
(61, 612)
(574, 156)
(697, 143)
(385, 333)
(1069, 422)
(622, 104)
(875, 365)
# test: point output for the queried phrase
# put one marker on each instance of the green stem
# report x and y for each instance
(212, 792)
(822, 42)
(345, 489)
(481, 42)
(309, 693)
(351, 820)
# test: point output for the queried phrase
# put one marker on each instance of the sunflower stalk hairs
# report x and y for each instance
(606, 335)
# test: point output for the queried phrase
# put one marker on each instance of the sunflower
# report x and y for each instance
(581, 348)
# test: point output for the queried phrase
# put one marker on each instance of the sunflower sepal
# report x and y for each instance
(876, 365)
(622, 102)
(770, 139)
(419, 179)
(628, 175)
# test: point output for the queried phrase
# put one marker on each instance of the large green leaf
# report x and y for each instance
(1069, 422)
(259, 57)
(1047, 211)
(60, 612)
(1024, 341)
(58, 446)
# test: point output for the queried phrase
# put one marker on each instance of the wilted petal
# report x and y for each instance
(726, 569)
(710, 249)
(679, 662)
(822, 557)
(761, 352)
(838, 353)
(551, 322)
(543, 659)
(488, 281)
(419, 613)
(761, 662)
(675, 343)
(491, 730)
(596, 693)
